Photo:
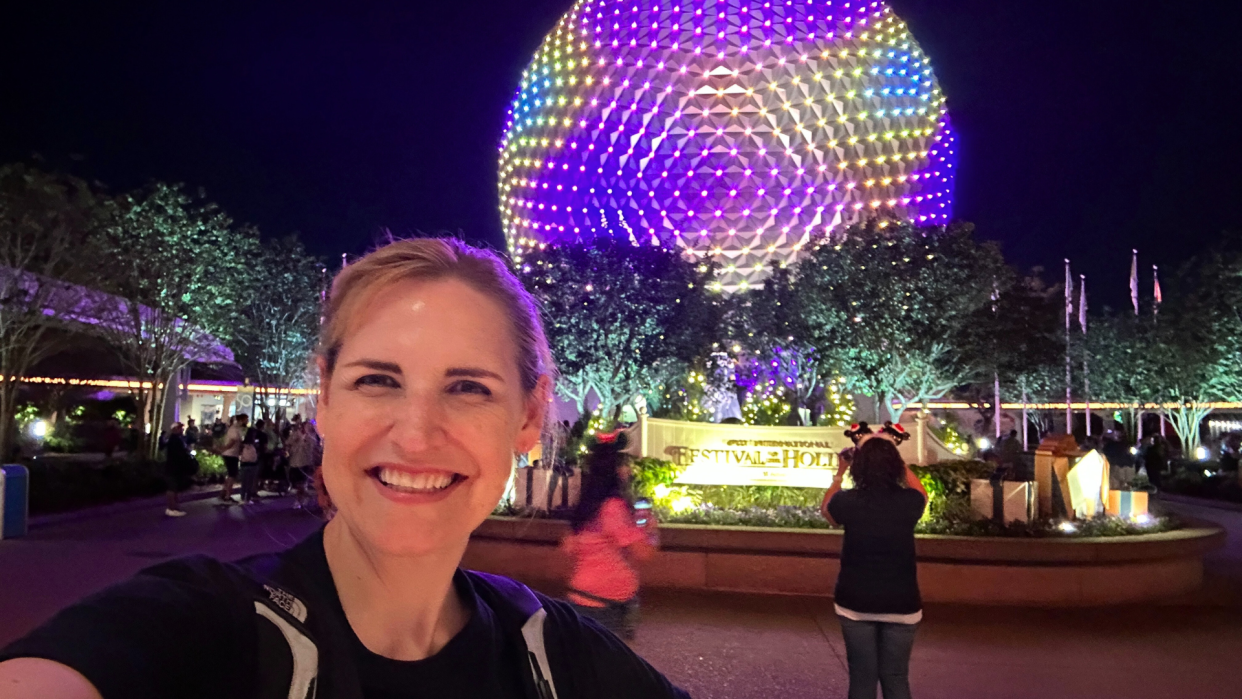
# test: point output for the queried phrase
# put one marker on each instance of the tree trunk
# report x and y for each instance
(8, 427)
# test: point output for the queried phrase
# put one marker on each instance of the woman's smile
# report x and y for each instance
(409, 485)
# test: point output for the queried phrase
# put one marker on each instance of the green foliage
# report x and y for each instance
(948, 488)
(26, 414)
(278, 322)
(883, 303)
(620, 318)
(768, 404)
(783, 517)
(210, 467)
(683, 398)
(745, 497)
(48, 252)
(952, 477)
(809, 518)
(649, 473)
(1045, 529)
(1202, 479)
(655, 479)
(178, 268)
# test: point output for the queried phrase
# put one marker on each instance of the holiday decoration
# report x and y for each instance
(1130, 504)
(730, 130)
(1004, 501)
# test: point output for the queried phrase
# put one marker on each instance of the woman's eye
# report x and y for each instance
(470, 388)
(376, 381)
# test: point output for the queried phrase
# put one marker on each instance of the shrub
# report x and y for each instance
(56, 486)
(744, 497)
(210, 467)
(784, 516)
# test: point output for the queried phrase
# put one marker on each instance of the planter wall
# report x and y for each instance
(964, 570)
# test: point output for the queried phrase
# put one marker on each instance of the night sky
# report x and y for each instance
(1086, 128)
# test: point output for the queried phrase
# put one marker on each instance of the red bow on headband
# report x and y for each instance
(607, 438)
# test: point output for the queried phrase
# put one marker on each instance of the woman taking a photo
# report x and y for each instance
(434, 374)
(877, 596)
(606, 540)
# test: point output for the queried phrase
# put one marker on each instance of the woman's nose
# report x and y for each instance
(417, 424)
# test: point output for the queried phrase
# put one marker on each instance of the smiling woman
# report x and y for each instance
(435, 373)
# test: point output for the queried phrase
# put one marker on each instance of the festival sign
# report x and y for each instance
(712, 454)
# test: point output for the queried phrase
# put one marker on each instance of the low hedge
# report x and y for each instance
(1203, 480)
(58, 486)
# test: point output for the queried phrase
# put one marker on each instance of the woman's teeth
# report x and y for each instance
(406, 482)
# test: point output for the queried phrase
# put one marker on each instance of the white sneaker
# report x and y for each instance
(174, 513)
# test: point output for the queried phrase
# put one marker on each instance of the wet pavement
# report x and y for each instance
(736, 646)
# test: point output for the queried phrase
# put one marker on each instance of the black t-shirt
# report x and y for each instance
(121, 640)
(878, 570)
(478, 663)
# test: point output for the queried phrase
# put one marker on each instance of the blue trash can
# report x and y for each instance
(14, 500)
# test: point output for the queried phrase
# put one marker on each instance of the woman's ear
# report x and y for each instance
(325, 378)
(534, 410)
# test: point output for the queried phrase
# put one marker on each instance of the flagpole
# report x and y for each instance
(1082, 321)
(1155, 311)
(1069, 359)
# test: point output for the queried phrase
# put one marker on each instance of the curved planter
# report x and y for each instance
(952, 569)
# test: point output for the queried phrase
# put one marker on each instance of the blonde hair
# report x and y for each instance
(431, 259)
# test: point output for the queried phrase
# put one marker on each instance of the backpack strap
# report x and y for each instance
(303, 649)
(520, 599)
(288, 614)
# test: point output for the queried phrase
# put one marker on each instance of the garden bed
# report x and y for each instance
(1053, 572)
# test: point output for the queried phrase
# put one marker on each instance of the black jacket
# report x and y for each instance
(262, 628)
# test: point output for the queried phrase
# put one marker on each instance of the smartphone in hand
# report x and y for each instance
(642, 512)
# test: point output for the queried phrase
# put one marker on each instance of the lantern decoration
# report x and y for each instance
(731, 130)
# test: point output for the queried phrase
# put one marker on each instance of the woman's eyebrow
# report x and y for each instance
(376, 365)
(473, 373)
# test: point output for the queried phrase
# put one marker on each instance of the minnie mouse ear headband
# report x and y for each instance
(857, 430)
(897, 432)
(615, 440)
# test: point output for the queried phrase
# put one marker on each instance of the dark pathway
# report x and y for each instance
(740, 647)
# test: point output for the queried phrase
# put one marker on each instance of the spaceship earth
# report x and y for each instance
(731, 130)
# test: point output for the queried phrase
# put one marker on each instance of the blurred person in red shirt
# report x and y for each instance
(608, 539)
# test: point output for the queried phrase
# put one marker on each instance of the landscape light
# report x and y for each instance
(1201, 453)
(983, 443)
(1067, 527)
(39, 429)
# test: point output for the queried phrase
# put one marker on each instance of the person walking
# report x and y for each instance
(435, 371)
(303, 445)
(231, 451)
(254, 445)
(877, 595)
(606, 540)
(191, 433)
(179, 468)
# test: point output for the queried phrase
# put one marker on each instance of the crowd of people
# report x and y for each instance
(276, 454)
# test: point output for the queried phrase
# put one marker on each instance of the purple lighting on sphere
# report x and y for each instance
(728, 129)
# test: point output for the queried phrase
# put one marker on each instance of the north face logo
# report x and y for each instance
(287, 602)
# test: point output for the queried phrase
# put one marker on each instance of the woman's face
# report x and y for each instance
(422, 415)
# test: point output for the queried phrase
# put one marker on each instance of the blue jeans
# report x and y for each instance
(878, 652)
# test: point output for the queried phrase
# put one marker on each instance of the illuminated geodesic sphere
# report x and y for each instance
(732, 130)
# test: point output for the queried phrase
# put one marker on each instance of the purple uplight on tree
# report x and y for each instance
(730, 130)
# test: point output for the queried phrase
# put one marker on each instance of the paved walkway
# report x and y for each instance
(738, 647)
